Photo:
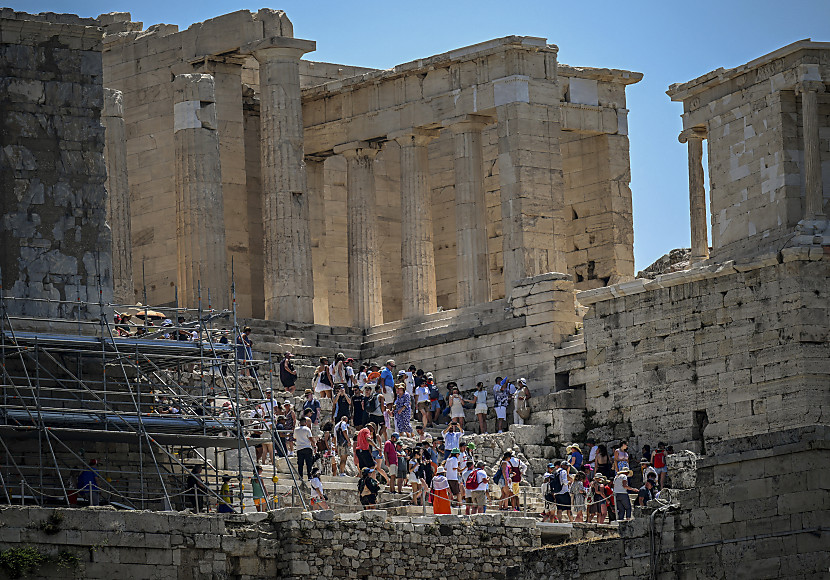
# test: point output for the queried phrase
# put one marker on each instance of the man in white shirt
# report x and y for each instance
(422, 395)
(304, 443)
(343, 440)
(517, 467)
(479, 494)
(563, 495)
(621, 489)
(501, 394)
(468, 493)
(452, 465)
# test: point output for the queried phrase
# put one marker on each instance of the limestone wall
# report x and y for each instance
(54, 237)
(711, 353)
(281, 544)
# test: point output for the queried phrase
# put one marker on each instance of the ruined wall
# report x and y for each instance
(759, 510)
(710, 353)
(281, 544)
(56, 243)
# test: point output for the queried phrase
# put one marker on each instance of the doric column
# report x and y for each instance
(316, 183)
(531, 183)
(814, 200)
(289, 283)
(200, 231)
(472, 265)
(365, 293)
(118, 199)
(417, 252)
(697, 193)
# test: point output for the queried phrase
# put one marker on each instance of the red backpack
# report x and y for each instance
(472, 480)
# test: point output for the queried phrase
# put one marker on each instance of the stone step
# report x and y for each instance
(434, 324)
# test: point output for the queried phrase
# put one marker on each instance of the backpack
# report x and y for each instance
(548, 491)
(556, 484)
(515, 473)
(372, 405)
(472, 480)
(361, 484)
(498, 476)
(434, 395)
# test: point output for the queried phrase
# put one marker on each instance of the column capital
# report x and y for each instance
(464, 123)
(113, 103)
(693, 133)
(278, 48)
(413, 136)
(357, 149)
(809, 86)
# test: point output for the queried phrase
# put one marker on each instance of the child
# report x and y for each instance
(318, 496)
(258, 489)
(578, 496)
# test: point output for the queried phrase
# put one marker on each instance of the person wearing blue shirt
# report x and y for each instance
(387, 377)
(452, 438)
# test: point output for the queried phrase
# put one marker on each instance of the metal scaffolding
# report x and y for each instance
(139, 399)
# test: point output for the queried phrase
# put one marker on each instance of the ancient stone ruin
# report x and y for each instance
(469, 212)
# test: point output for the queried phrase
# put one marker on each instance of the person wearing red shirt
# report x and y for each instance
(390, 455)
(363, 446)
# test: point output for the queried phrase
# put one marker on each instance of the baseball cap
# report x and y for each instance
(396, 434)
(391, 362)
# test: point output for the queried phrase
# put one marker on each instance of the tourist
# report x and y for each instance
(469, 466)
(592, 454)
(364, 446)
(621, 457)
(646, 492)
(549, 512)
(322, 379)
(375, 404)
(602, 461)
(422, 400)
(456, 405)
(481, 406)
(578, 496)
(289, 422)
(658, 460)
(415, 475)
(313, 405)
(343, 439)
(452, 466)
(521, 399)
(318, 495)
(282, 438)
(479, 483)
(441, 493)
(621, 489)
(452, 438)
(502, 399)
(561, 491)
(403, 411)
(387, 378)
(341, 405)
(256, 435)
(359, 415)
(574, 456)
(598, 495)
(305, 444)
(328, 446)
(88, 483)
(368, 487)
(515, 470)
(225, 497)
(351, 378)
(390, 456)
(337, 370)
(258, 490)
(403, 466)
(288, 376)
(503, 480)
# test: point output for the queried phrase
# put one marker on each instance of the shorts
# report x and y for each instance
(259, 501)
(412, 478)
(501, 412)
(402, 469)
(370, 499)
(482, 410)
(343, 452)
(514, 487)
(435, 405)
(479, 498)
(563, 501)
(454, 486)
(661, 469)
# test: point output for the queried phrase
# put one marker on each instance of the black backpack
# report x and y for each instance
(372, 405)
(556, 484)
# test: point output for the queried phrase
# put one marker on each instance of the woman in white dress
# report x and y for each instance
(456, 403)
(481, 407)
(322, 379)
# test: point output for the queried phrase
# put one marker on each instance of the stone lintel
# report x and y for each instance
(367, 146)
(420, 135)
(467, 122)
(279, 47)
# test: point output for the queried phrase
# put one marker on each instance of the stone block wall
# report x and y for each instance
(712, 353)
(55, 239)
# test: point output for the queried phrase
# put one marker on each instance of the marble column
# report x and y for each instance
(814, 200)
(200, 218)
(472, 264)
(316, 183)
(289, 282)
(697, 193)
(118, 196)
(365, 296)
(417, 252)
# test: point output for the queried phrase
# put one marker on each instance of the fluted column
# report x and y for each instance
(118, 198)
(697, 193)
(316, 183)
(200, 231)
(289, 283)
(472, 264)
(365, 294)
(417, 252)
(814, 200)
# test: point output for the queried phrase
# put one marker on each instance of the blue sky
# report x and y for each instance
(669, 41)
